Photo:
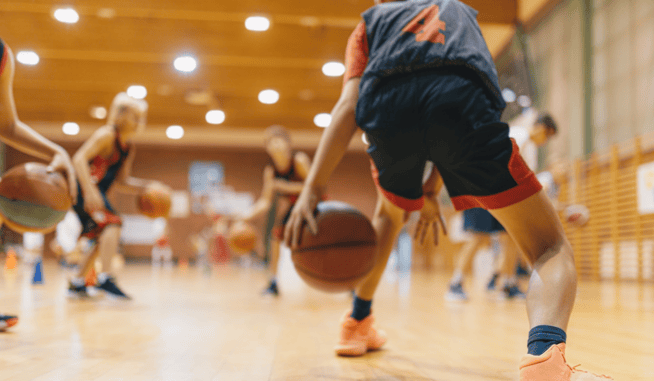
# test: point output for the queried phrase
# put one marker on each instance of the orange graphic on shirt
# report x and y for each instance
(427, 26)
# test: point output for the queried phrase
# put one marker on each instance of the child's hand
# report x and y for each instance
(430, 216)
(61, 163)
(302, 212)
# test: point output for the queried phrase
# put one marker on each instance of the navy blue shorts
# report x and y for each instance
(480, 221)
(90, 227)
(448, 118)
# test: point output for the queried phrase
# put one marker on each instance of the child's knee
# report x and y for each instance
(559, 248)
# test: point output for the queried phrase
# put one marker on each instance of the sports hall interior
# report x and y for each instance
(588, 63)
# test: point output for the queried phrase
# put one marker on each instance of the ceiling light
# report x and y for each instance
(268, 97)
(185, 64)
(27, 57)
(175, 132)
(322, 120)
(70, 128)
(137, 91)
(215, 117)
(98, 112)
(66, 15)
(364, 139)
(524, 101)
(508, 95)
(257, 23)
(106, 13)
(333, 69)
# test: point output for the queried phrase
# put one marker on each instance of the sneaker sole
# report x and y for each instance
(350, 350)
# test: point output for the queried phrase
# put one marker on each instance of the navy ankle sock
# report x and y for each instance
(542, 337)
(361, 308)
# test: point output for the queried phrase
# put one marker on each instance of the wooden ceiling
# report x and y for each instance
(87, 63)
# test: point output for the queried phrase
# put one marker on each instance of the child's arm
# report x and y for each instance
(332, 147)
(267, 193)
(302, 165)
(100, 142)
(20, 136)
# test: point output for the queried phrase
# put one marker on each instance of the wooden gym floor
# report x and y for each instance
(184, 324)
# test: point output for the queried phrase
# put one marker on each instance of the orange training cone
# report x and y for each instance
(11, 262)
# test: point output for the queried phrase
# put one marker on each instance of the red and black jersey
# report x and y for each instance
(402, 38)
(104, 171)
(291, 175)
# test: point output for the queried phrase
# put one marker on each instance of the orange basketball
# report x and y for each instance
(343, 252)
(33, 200)
(155, 201)
(242, 237)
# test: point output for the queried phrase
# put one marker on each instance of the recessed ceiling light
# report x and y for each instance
(524, 101)
(215, 116)
(98, 112)
(185, 64)
(164, 90)
(508, 95)
(175, 132)
(27, 57)
(333, 69)
(322, 120)
(66, 15)
(106, 13)
(268, 97)
(306, 94)
(257, 23)
(70, 128)
(137, 91)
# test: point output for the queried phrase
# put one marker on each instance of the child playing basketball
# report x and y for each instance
(284, 176)
(101, 162)
(18, 135)
(422, 84)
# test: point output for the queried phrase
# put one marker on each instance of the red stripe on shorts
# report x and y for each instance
(407, 204)
(3, 62)
(528, 185)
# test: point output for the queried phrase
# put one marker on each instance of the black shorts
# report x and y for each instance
(449, 119)
(90, 227)
(480, 221)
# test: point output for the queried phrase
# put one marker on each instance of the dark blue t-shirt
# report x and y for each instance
(418, 35)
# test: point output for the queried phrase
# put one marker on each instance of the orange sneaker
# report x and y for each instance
(7, 321)
(551, 366)
(359, 337)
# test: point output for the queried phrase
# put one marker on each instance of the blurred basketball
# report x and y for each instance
(33, 200)
(155, 201)
(242, 237)
(576, 215)
(343, 252)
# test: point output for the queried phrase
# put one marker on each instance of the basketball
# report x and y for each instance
(155, 201)
(242, 237)
(577, 215)
(32, 199)
(343, 252)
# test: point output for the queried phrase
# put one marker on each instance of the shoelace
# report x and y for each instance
(574, 369)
